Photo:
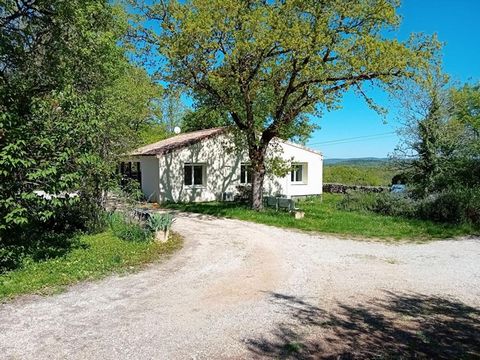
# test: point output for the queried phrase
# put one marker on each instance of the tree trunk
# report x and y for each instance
(257, 158)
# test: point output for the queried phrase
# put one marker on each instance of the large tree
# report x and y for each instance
(66, 105)
(465, 124)
(440, 140)
(269, 64)
(203, 117)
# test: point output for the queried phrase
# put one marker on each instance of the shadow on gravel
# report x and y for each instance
(405, 326)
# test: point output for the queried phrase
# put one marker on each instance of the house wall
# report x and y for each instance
(150, 178)
(222, 171)
(312, 174)
(163, 176)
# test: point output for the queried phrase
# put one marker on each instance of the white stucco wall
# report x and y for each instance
(222, 171)
(312, 183)
(149, 169)
(163, 176)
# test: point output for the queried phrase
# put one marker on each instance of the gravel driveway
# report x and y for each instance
(243, 290)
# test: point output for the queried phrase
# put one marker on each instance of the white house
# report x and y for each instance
(205, 166)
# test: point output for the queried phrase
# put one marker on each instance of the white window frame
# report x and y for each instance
(294, 172)
(248, 168)
(192, 167)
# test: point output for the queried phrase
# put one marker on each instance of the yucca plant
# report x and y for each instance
(160, 224)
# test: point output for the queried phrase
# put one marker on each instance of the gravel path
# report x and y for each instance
(242, 290)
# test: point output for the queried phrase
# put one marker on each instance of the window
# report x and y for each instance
(130, 170)
(296, 174)
(194, 174)
(245, 174)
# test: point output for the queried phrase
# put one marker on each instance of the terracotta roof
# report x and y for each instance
(176, 142)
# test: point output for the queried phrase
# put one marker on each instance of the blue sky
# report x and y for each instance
(368, 134)
(456, 24)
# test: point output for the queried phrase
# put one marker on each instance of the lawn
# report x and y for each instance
(93, 257)
(324, 216)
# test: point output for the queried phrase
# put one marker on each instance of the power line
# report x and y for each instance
(353, 138)
(351, 141)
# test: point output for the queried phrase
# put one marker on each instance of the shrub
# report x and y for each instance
(394, 205)
(128, 228)
(358, 201)
(10, 257)
(381, 203)
(160, 222)
(43, 239)
(132, 190)
(453, 206)
(456, 206)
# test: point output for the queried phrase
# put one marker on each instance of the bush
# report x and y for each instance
(128, 228)
(394, 205)
(453, 206)
(40, 240)
(382, 203)
(10, 258)
(358, 201)
(456, 206)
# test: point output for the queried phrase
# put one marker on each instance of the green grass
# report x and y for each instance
(325, 217)
(374, 175)
(95, 257)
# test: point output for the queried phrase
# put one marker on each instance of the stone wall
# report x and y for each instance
(342, 189)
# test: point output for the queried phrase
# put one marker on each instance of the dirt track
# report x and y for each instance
(242, 290)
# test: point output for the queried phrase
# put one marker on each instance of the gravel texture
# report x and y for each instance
(243, 290)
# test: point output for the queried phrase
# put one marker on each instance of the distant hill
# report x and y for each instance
(366, 161)
(358, 171)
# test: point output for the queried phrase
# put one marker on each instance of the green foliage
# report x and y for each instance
(269, 65)
(129, 228)
(136, 103)
(456, 206)
(70, 103)
(43, 239)
(466, 101)
(326, 217)
(130, 192)
(465, 124)
(430, 147)
(203, 118)
(160, 222)
(441, 142)
(93, 257)
(358, 175)
(395, 205)
(357, 201)
(152, 133)
(385, 204)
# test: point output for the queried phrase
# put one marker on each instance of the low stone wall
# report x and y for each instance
(342, 188)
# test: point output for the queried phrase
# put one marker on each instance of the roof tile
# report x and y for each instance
(176, 142)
